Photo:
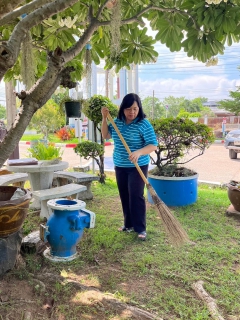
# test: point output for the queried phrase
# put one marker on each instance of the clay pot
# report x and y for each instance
(234, 196)
(12, 212)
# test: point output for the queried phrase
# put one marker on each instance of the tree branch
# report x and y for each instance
(10, 51)
(208, 300)
(145, 10)
(100, 11)
(30, 7)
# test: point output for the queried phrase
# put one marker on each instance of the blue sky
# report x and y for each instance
(178, 75)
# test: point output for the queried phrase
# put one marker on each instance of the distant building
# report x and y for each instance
(213, 106)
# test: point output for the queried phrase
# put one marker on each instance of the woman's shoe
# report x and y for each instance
(142, 235)
(125, 229)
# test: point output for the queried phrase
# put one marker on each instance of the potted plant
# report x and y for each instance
(46, 152)
(72, 106)
(179, 141)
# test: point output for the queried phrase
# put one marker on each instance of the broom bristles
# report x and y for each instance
(173, 228)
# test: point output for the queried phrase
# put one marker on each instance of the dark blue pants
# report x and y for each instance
(131, 190)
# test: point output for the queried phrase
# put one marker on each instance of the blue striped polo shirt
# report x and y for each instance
(137, 136)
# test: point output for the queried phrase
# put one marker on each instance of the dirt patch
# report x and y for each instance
(66, 296)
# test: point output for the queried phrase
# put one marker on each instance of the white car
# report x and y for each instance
(232, 142)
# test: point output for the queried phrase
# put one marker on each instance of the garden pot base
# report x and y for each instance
(232, 212)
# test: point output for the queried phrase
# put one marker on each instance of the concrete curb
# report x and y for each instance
(66, 145)
(107, 143)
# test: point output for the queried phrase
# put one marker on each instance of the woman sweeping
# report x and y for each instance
(141, 139)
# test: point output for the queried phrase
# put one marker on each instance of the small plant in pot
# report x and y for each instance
(180, 140)
(48, 152)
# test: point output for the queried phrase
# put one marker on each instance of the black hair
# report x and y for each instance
(127, 102)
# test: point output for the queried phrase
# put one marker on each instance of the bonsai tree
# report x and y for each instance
(92, 150)
(177, 137)
(92, 109)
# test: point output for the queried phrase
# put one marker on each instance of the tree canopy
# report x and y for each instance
(233, 104)
(46, 43)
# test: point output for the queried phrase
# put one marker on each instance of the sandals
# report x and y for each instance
(124, 229)
(142, 235)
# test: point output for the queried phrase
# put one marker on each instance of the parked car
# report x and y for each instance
(232, 142)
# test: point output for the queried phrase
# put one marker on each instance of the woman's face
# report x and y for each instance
(131, 113)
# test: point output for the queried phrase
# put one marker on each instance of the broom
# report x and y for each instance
(173, 228)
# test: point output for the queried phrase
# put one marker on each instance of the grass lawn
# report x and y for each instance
(152, 276)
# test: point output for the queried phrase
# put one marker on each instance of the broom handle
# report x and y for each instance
(127, 148)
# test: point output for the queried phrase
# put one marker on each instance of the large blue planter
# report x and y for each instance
(175, 191)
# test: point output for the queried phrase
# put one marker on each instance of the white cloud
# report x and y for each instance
(210, 87)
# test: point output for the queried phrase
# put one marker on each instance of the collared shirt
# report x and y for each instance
(137, 136)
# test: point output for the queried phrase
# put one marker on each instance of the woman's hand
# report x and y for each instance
(133, 157)
(104, 112)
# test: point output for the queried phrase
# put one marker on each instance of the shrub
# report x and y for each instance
(176, 138)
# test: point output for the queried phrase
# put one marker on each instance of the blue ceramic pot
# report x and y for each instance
(175, 191)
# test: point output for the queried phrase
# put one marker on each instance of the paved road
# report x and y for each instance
(213, 166)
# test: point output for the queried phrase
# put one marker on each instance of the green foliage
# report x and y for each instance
(153, 108)
(176, 138)
(3, 112)
(201, 30)
(186, 114)
(232, 105)
(93, 106)
(41, 151)
(92, 150)
(88, 149)
(176, 104)
(47, 119)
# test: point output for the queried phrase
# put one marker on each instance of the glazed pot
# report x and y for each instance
(12, 212)
(234, 196)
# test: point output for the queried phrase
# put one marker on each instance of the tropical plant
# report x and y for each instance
(61, 29)
(41, 151)
(92, 150)
(65, 133)
(176, 138)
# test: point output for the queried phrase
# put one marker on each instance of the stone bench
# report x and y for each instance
(65, 177)
(55, 193)
(18, 179)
